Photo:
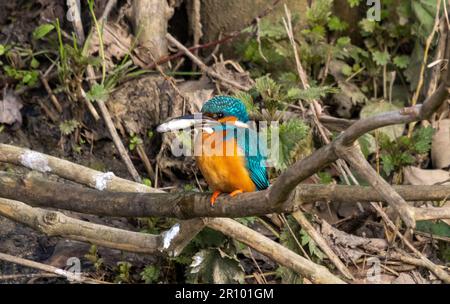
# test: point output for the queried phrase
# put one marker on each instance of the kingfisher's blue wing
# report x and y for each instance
(255, 154)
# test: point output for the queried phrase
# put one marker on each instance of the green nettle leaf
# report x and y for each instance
(401, 61)
(368, 144)
(310, 93)
(422, 139)
(68, 126)
(266, 86)
(335, 24)
(319, 12)
(2, 49)
(381, 58)
(124, 272)
(268, 29)
(150, 274)
(42, 30)
(215, 266)
(388, 164)
(97, 92)
(294, 139)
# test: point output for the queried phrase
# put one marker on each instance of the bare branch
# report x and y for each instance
(54, 223)
(282, 255)
(321, 242)
(47, 268)
(355, 158)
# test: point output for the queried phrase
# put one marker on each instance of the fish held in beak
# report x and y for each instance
(184, 122)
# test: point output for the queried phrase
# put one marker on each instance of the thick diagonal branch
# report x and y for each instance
(357, 161)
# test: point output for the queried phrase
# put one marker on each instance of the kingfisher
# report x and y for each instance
(227, 151)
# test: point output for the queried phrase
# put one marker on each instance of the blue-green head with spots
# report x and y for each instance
(225, 106)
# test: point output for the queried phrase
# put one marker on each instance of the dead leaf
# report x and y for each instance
(440, 145)
(117, 43)
(350, 247)
(10, 107)
(417, 176)
(410, 278)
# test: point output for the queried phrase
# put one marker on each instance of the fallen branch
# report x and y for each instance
(321, 242)
(282, 255)
(47, 268)
(97, 180)
(54, 223)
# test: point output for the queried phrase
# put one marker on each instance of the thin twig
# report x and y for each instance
(320, 241)
(50, 93)
(203, 66)
(47, 268)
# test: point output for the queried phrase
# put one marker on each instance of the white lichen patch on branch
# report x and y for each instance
(169, 235)
(35, 161)
(101, 180)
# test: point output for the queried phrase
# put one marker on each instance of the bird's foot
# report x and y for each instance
(236, 192)
(214, 196)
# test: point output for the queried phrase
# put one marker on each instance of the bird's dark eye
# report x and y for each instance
(219, 115)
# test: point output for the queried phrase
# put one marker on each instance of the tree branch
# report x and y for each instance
(54, 223)
(41, 192)
(282, 255)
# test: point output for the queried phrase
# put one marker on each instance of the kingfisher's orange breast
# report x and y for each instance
(222, 164)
